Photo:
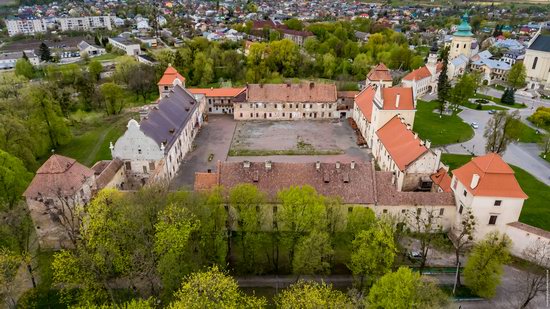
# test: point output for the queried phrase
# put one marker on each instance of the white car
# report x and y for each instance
(474, 125)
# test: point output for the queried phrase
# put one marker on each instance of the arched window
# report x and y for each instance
(535, 62)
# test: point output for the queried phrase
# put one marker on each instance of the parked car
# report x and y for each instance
(474, 125)
(491, 111)
(415, 255)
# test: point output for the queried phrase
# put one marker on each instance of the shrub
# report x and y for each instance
(479, 106)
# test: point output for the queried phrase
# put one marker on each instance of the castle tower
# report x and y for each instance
(463, 39)
(170, 78)
(432, 59)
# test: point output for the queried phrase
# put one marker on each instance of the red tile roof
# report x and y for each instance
(303, 92)
(406, 98)
(496, 177)
(442, 179)
(58, 176)
(400, 143)
(380, 72)
(217, 92)
(387, 195)
(364, 101)
(418, 74)
(205, 181)
(169, 76)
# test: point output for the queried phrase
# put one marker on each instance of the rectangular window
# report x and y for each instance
(152, 166)
(128, 165)
(460, 209)
(385, 211)
(441, 211)
(418, 211)
(403, 211)
(493, 220)
(145, 169)
(498, 202)
(465, 193)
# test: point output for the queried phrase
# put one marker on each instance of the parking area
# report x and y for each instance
(225, 139)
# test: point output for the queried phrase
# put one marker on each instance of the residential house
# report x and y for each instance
(288, 102)
(90, 50)
(492, 71)
(8, 60)
(298, 37)
(129, 47)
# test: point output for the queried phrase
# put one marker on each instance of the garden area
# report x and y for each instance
(441, 131)
(498, 101)
(535, 209)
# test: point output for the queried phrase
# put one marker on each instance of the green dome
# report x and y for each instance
(464, 29)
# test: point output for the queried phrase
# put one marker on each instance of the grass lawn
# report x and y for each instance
(91, 138)
(497, 101)
(441, 131)
(484, 107)
(105, 57)
(455, 161)
(529, 135)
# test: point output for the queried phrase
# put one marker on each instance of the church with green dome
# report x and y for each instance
(463, 42)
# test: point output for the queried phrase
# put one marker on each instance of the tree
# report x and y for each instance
(294, 24)
(143, 79)
(426, 228)
(544, 144)
(329, 65)
(24, 68)
(213, 289)
(361, 65)
(464, 89)
(405, 289)
(443, 83)
(530, 283)
(360, 219)
(484, 266)
(463, 235)
(373, 253)
(113, 98)
(44, 52)
(14, 178)
(508, 96)
(203, 71)
(95, 68)
(310, 295)
(517, 75)
(9, 264)
(501, 130)
(313, 254)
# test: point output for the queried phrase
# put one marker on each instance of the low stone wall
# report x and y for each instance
(526, 237)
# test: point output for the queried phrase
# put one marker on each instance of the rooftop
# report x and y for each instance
(303, 92)
(217, 92)
(379, 73)
(541, 43)
(170, 74)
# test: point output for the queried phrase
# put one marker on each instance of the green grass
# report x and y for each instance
(497, 101)
(441, 131)
(484, 107)
(105, 57)
(529, 135)
(536, 210)
(455, 161)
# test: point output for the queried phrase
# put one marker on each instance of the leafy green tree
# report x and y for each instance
(310, 295)
(313, 254)
(405, 289)
(329, 65)
(464, 89)
(24, 68)
(517, 75)
(284, 57)
(14, 178)
(360, 219)
(508, 96)
(9, 264)
(464, 235)
(302, 210)
(95, 68)
(213, 289)
(113, 98)
(361, 66)
(484, 266)
(143, 80)
(257, 67)
(373, 253)
(203, 71)
(44, 52)
(294, 24)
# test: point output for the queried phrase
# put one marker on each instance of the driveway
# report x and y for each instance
(214, 138)
(524, 155)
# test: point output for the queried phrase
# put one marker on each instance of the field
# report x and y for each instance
(536, 210)
(441, 131)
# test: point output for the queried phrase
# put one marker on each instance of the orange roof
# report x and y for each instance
(400, 143)
(406, 98)
(496, 178)
(205, 181)
(442, 179)
(364, 101)
(217, 92)
(380, 72)
(422, 72)
(169, 76)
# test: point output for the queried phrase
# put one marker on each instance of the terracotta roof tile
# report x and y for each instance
(418, 74)
(217, 92)
(347, 94)
(387, 195)
(205, 181)
(406, 98)
(442, 179)
(496, 177)
(400, 142)
(364, 101)
(380, 72)
(105, 171)
(169, 76)
(303, 92)
(58, 175)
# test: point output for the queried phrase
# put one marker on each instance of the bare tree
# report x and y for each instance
(463, 236)
(501, 130)
(530, 283)
(426, 228)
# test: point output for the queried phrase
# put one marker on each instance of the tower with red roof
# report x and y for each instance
(169, 79)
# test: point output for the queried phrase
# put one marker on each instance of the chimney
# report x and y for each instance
(428, 143)
(246, 164)
(268, 165)
(397, 97)
(337, 165)
(352, 165)
(318, 165)
(408, 127)
(415, 135)
(475, 181)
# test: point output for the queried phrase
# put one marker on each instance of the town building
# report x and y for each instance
(288, 102)
(537, 62)
(25, 26)
(380, 74)
(513, 55)
(154, 148)
(221, 100)
(375, 106)
(90, 50)
(8, 60)
(129, 47)
(84, 23)
(424, 79)
(298, 37)
(488, 187)
(492, 71)
(346, 100)
(463, 41)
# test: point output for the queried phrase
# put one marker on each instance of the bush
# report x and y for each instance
(482, 101)
(508, 97)
(541, 117)
(479, 106)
